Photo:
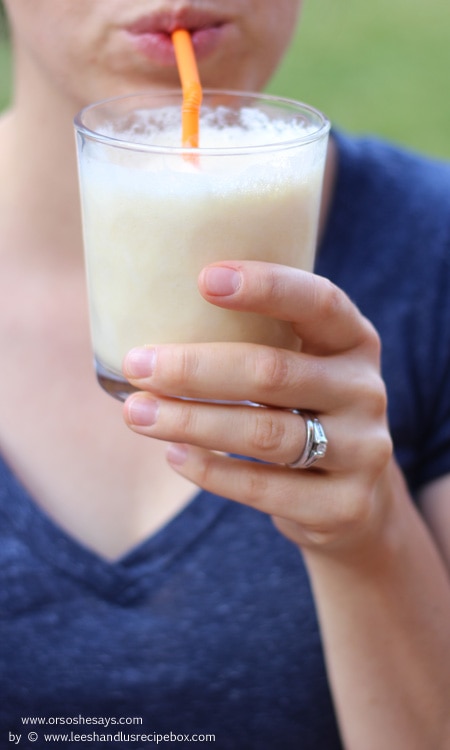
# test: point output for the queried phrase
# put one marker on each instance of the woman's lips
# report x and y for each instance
(152, 37)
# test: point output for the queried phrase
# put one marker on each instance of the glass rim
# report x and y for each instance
(323, 124)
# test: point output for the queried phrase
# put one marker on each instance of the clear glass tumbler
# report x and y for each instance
(154, 214)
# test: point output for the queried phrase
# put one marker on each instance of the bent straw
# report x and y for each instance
(190, 83)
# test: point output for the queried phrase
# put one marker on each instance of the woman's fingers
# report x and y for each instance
(276, 436)
(322, 315)
(247, 372)
(320, 510)
(336, 342)
(273, 435)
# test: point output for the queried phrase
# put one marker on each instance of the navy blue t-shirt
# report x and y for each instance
(209, 627)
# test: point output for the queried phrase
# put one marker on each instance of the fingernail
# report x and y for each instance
(142, 411)
(221, 281)
(177, 454)
(140, 362)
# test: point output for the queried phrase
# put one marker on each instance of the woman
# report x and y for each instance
(130, 593)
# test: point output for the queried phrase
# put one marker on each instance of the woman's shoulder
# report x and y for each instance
(394, 187)
(382, 162)
(390, 203)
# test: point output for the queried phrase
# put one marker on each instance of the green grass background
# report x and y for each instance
(373, 67)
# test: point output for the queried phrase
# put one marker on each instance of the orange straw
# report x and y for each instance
(190, 83)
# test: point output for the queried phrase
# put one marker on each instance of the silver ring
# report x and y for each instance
(316, 442)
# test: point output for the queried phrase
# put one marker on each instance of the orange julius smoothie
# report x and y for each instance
(154, 216)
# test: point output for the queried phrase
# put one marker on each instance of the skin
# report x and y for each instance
(379, 571)
(79, 47)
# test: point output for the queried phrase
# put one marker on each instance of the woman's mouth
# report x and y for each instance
(151, 35)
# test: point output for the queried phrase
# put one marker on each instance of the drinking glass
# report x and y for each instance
(155, 213)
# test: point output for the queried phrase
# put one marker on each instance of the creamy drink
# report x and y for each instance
(154, 215)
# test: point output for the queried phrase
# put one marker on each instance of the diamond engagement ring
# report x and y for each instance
(316, 442)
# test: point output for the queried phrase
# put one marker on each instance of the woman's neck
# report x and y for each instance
(39, 188)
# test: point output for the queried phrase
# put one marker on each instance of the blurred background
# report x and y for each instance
(373, 67)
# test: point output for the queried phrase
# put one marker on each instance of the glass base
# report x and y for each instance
(112, 383)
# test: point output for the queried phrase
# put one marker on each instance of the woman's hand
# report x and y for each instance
(335, 377)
